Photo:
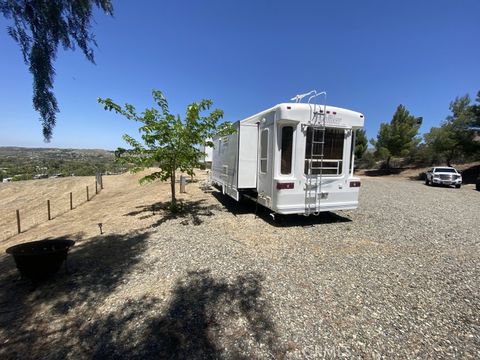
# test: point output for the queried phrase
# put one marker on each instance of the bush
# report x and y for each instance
(367, 161)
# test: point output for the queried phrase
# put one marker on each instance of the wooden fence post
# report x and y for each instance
(48, 210)
(88, 198)
(99, 178)
(18, 222)
(96, 187)
(71, 201)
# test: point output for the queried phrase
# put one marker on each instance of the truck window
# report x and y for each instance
(332, 163)
(263, 150)
(286, 151)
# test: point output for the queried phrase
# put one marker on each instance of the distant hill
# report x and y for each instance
(23, 163)
(39, 152)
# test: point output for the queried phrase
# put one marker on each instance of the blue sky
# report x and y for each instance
(246, 56)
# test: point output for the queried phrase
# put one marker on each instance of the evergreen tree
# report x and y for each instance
(454, 139)
(361, 143)
(399, 137)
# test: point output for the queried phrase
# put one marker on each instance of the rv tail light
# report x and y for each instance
(355, 183)
(289, 185)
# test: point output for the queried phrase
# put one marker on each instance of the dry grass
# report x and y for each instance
(122, 195)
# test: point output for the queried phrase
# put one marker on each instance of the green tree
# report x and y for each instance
(39, 26)
(454, 139)
(361, 143)
(168, 142)
(399, 137)
(476, 111)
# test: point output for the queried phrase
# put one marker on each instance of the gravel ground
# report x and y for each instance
(399, 277)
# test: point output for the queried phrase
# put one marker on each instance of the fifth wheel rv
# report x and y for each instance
(294, 158)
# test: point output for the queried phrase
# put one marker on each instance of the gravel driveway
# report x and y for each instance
(399, 277)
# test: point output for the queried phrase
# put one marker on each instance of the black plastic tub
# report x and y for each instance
(39, 259)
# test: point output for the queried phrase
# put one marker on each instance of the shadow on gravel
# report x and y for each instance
(249, 207)
(191, 212)
(206, 318)
(47, 316)
(68, 316)
(383, 172)
(470, 175)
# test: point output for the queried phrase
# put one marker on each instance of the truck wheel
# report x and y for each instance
(458, 186)
(426, 181)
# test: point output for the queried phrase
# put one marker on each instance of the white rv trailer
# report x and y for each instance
(294, 158)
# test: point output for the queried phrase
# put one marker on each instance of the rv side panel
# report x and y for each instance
(225, 163)
(247, 165)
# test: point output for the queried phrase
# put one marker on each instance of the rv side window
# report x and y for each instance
(263, 150)
(286, 154)
(332, 156)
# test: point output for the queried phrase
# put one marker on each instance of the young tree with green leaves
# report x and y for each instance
(168, 142)
(399, 137)
(39, 27)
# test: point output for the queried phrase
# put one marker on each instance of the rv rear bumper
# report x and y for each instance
(300, 208)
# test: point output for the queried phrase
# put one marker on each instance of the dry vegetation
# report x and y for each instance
(30, 198)
(122, 195)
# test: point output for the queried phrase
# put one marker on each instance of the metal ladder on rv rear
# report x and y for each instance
(313, 182)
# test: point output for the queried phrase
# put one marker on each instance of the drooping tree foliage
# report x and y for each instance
(399, 137)
(39, 27)
(455, 138)
(168, 142)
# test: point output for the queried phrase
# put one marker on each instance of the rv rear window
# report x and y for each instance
(263, 151)
(286, 154)
(324, 151)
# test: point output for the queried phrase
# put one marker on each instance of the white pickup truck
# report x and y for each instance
(443, 176)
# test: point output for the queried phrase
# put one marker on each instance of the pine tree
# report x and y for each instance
(399, 137)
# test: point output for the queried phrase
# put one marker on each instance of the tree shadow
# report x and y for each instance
(247, 206)
(206, 318)
(191, 212)
(470, 175)
(421, 176)
(96, 267)
(383, 172)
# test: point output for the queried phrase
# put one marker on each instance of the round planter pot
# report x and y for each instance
(39, 259)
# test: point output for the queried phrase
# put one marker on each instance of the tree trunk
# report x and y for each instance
(449, 158)
(388, 162)
(172, 185)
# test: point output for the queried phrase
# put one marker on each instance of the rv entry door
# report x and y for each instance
(265, 164)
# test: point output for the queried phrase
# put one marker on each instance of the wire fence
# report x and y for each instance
(27, 206)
